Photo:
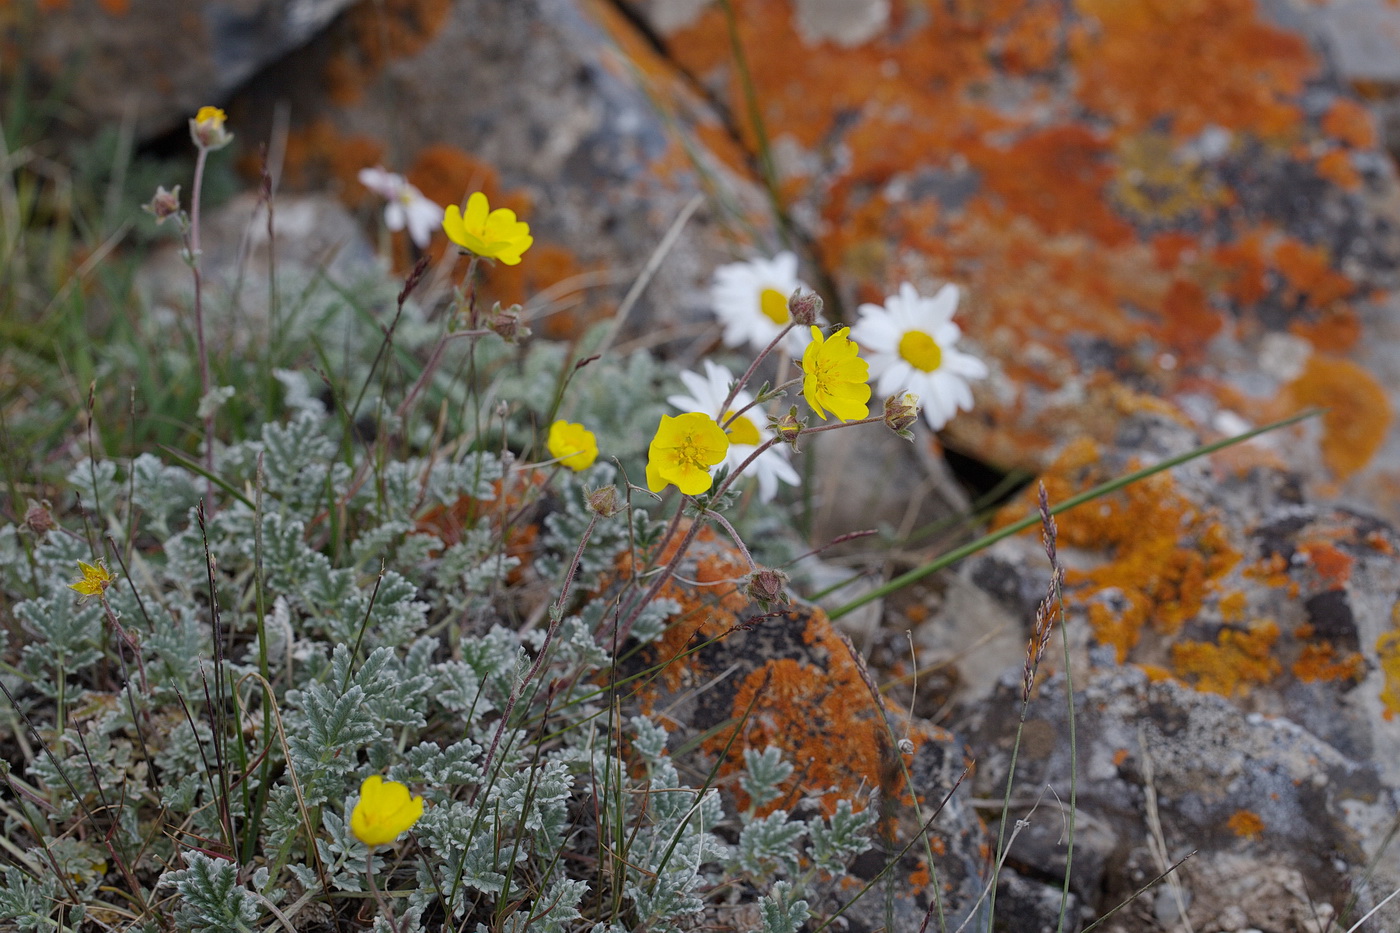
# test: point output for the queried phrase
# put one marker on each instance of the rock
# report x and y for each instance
(1280, 825)
(789, 679)
(133, 59)
(536, 104)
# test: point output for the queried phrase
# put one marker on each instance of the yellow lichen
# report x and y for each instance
(1235, 661)
(1388, 656)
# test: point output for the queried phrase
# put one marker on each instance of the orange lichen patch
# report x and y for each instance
(450, 523)
(1388, 657)
(1378, 542)
(1119, 756)
(1350, 123)
(319, 152)
(1232, 606)
(1335, 330)
(1320, 662)
(1032, 42)
(1235, 661)
(799, 708)
(1245, 824)
(115, 7)
(1194, 63)
(1357, 412)
(1308, 269)
(1188, 318)
(378, 33)
(1056, 178)
(1164, 555)
(1156, 673)
(1332, 565)
(1336, 166)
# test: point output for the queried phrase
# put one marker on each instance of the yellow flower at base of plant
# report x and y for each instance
(682, 452)
(572, 445)
(95, 579)
(834, 376)
(385, 811)
(487, 233)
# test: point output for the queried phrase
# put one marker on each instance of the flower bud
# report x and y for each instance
(805, 307)
(164, 205)
(767, 587)
(900, 412)
(788, 427)
(603, 501)
(508, 323)
(207, 129)
(39, 517)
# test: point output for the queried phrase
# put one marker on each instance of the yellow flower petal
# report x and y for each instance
(490, 234)
(572, 445)
(682, 452)
(385, 811)
(834, 376)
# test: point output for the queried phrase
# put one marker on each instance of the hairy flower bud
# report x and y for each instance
(900, 412)
(767, 587)
(805, 307)
(788, 427)
(39, 517)
(164, 205)
(508, 324)
(603, 501)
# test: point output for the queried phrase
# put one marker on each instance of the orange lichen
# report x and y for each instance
(1192, 63)
(1119, 756)
(319, 153)
(1388, 657)
(1350, 123)
(1332, 565)
(1055, 178)
(1357, 412)
(1235, 661)
(1164, 556)
(798, 707)
(1245, 823)
(1320, 662)
(378, 33)
(1336, 166)
(1232, 606)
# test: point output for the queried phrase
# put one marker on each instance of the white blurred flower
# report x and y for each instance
(751, 301)
(407, 206)
(745, 432)
(911, 345)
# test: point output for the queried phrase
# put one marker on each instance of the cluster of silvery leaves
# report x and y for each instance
(260, 669)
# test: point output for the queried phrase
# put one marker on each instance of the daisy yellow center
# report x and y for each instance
(920, 350)
(774, 305)
(741, 430)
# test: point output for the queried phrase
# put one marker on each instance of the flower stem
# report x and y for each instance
(193, 246)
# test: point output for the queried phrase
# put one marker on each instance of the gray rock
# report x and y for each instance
(156, 63)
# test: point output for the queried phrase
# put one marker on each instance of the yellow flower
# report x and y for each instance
(573, 445)
(833, 376)
(95, 579)
(384, 812)
(492, 234)
(207, 129)
(682, 452)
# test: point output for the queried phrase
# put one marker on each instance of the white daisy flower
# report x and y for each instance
(751, 301)
(910, 344)
(746, 432)
(407, 206)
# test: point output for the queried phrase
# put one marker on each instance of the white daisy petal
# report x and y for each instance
(750, 300)
(934, 369)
